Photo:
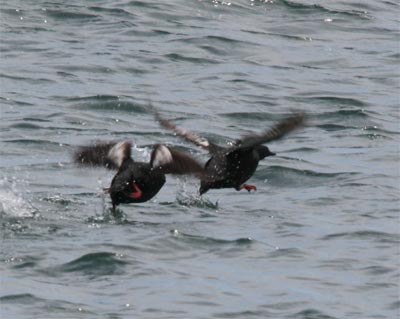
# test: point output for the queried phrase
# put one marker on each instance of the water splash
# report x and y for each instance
(187, 198)
(12, 202)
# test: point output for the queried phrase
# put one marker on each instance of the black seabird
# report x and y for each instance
(136, 182)
(232, 166)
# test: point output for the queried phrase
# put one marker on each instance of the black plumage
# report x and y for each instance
(136, 182)
(232, 166)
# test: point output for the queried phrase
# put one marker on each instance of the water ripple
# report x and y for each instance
(67, 15)
(311, 314)
(109, 103)
(196, 60)
(283, 176)
(378, 270)
(204, 241)
(44, 305)
(94, 265)
(245, 314)
(381, 237)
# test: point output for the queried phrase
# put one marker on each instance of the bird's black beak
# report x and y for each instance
(271, 154)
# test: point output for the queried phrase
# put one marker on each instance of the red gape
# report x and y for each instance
(137, 193)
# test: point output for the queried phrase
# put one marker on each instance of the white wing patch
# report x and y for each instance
(117, 154)
(192, 137)
(161, 156)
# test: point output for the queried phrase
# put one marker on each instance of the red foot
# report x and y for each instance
(248, 187)
(137, 193)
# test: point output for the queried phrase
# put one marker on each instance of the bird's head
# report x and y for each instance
(263, 151)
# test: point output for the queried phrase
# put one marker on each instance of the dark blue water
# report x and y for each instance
(318, 239)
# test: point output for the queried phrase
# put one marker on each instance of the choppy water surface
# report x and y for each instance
(319, 238)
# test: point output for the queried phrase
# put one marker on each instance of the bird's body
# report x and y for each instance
(136, 182)
(232, 166)
(229, 170)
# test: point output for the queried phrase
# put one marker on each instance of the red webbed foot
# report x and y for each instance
(248, 187)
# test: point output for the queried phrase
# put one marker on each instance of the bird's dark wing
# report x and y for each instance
(110, 155)
(187, 135)
(172, 161)
(276, 132)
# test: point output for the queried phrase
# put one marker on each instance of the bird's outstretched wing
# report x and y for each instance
(276, 132)
(172, 161)
(108, 154)
(188, 135)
